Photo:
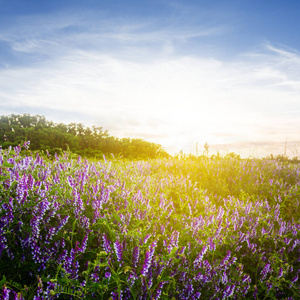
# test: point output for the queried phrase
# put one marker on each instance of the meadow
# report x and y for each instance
(183, 227)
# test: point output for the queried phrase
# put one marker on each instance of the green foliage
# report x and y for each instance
(241, 214)
(88, 142)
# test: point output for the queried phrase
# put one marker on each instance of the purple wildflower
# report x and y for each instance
(84, 244)
(148, 259)
(62, 223)
(246, 278)
(224, 278)
(212, 245)
(135, 256)
(5, 293)
(159, 290)
(267, 269)
(107, 275)
(255, 292)
(225, 259)
(118, 250)
(146, 238)
(106, 243)
(228, 292)
(26, 145)
(220, 213)
(295, 279)
(173, 241)
(131, 279)
(200, 256)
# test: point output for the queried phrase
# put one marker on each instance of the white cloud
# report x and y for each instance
(153, 92)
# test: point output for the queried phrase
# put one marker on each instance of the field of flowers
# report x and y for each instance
(178, 228)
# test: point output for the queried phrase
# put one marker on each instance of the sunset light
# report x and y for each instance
(149, 150)
(177, 73)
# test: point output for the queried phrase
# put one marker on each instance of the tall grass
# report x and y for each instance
(178, 228)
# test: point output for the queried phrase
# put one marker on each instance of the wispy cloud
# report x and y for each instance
(57, 34)
(130, 78)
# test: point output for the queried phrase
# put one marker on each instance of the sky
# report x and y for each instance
(177, 73)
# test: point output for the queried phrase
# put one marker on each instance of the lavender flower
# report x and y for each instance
(118, 250)
(200, 256)
(107, 275)
(228, 292)
(5, 293)
(224, 278)
(84, 244)
(106, 243)
(173, 241)
(267, 269)
(212, 245)
(159, 290)
(225, 259)
(135, 256)
(295, 279)
(148, 259)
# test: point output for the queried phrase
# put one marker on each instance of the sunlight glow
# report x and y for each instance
(132, 80)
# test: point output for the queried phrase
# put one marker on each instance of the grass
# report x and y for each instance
(179, 228)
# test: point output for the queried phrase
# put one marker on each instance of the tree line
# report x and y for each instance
(90, 142)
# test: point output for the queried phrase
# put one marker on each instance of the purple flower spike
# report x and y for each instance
(106, 243)
(5, 293)
(229, 290)
(267, 269)
(84, 244)
(107, 275)
(200, 256)
(295, 279)
(226, 259)
(148, 259)
(118, 250)
(135, 256)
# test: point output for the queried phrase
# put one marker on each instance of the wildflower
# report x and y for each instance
(5, 293)
(26, 145)
(255, 292)
(295, 279)
(106, 245)
(148, 259)
(173, 241)
(200, 256)
(135, 256)
(159, 290)
(225, 259)
(107, 275)
(118, 250)
(267, 269)
(228, 292)
(84, 244)
(224, 278)
(269, 285)
(131, 279)
(212, 245)
(220, 213)
(146, 238)
(190, 289)
(116, 295)
(246, 278)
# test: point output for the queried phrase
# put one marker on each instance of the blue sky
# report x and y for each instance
(173, 72)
